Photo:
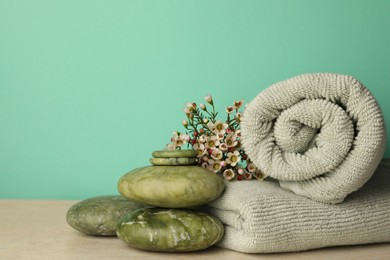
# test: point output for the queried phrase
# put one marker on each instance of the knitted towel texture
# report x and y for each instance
(321, 135)
(261, 217)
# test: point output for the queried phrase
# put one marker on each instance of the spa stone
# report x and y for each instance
(172, 161)
(100, 215)
(171, 186)
(175, 153)
(170, 230)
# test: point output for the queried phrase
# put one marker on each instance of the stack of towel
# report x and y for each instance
(320, 137)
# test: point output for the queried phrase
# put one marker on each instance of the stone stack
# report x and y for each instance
(172, 185)
(159, 206)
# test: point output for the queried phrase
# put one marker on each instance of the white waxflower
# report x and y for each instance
(229, 174)
(211, 126)
(247, 175)
(200, 148)
(251, 167)
(220, 127)
(212, 142)
(216, 167)
(259, 175)
(220, 136)
(223, 147)
(210, 163)
(233, 158)
(229, 109)
(202, 139)
(177, 142)
(238, 104)
(181, 139)
(216, 154)
(231, 140)
(187, 110)
(184, 137)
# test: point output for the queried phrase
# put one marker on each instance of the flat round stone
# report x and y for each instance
(170, 230)
(171, 186)
(175, 153)
(100, 215)
(172, 161)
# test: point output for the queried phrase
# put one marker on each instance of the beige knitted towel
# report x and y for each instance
(261, 217)
(322, 135)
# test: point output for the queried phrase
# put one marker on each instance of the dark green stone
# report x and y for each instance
(100, 215)
(170, 230)
(171, 186)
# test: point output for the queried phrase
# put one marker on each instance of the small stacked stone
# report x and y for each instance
(174, 157)
(156, 210)
(173, 185)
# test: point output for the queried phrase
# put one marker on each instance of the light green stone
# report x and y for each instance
(100, 215)
(172, 161)
(175, 153)
(170, 230)
(171, 186)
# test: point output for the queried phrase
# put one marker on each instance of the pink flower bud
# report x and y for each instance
(203, 106)
(209, 99)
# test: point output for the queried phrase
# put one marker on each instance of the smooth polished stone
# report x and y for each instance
(171, 186)
(170, 230)
(100, 215)
(175, 153)
(172, 161)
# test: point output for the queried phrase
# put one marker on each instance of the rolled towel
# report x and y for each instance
(261, 217)
(321, 135)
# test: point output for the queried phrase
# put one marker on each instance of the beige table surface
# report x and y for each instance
(37, 229)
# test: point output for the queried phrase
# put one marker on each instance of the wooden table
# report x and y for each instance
(36, 229)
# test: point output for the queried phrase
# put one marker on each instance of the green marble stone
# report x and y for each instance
(172, 161)
(171, 186)
(100, 215)
(170, 230)
(175, 153)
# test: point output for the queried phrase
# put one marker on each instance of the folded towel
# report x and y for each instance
(261, 217)
(322, 135)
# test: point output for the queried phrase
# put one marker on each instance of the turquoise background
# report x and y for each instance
(88, 89)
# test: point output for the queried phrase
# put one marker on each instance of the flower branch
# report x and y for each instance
(218, 142)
